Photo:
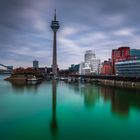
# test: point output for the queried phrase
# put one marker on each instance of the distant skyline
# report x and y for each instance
(99, 25)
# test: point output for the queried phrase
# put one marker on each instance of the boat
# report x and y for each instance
(33, 79)
(63, 78)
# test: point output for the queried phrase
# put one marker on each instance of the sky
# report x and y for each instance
(99, 25)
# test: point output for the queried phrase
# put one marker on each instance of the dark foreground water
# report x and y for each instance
(62, 111)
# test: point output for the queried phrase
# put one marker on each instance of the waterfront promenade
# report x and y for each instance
(129, 82)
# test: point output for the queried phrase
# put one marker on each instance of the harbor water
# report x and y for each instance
(56, 110)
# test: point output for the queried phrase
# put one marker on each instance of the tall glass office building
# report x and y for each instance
(35, 64)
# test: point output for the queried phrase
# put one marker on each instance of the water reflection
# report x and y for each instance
(121, 99)
(91, 95)
(90, 92)
(20, 87)
(54, 125)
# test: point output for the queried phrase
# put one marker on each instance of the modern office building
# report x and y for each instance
(35, 64)
(128, 68)
(119, 54)
(135, 52)
(74, 68)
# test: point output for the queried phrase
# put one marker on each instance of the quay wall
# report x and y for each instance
(128, 84)
(112, 80)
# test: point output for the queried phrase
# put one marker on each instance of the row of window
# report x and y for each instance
(128, 68)
(128, 64)
(130, 75)
(132, 68)
(128, 72)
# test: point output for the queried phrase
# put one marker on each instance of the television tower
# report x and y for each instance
(55, 26)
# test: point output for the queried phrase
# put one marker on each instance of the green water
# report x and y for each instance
(62, 111)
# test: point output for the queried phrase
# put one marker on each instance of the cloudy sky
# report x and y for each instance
(99, 25)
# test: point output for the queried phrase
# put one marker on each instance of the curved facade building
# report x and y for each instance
(89, 56)
(91, 65)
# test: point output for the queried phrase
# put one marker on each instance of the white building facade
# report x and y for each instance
(91, 65)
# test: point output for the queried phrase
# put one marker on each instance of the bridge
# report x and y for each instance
(8, 70)
(8, 67)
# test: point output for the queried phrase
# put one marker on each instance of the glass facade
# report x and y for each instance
(129, 68)
(35, 64)
(135, 52)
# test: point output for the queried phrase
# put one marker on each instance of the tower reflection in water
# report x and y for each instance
(54, 125)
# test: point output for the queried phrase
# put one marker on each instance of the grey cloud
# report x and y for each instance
(26, 24)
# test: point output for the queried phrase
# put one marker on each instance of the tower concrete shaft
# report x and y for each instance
(55, 26)
(54, 61)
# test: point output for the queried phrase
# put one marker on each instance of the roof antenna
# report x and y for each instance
(55, 15)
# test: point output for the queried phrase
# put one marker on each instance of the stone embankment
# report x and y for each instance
(127, 84)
